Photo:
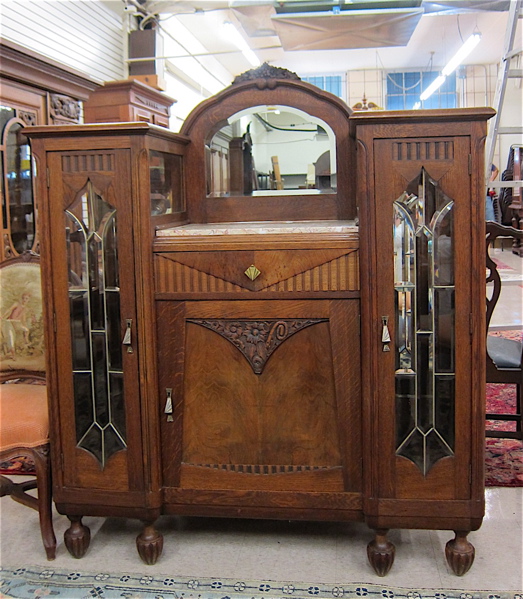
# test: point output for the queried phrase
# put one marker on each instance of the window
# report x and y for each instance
(404, 89)
(329, 83)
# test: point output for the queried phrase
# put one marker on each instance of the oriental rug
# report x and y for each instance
(37, 582)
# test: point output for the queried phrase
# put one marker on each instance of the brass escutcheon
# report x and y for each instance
(252, 272)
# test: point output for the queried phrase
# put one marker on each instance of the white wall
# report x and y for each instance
(86, 35)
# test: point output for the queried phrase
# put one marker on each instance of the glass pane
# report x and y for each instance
(92, 442)
(424, 322)
(165, 173)
(96, 337)
(83, 402)
(114, 330)
(110, 256)
(117, 402)
(79, 313)
(444, 330)
(76, 258)
(425, 393)
(405, 407)
(96, 282)
(6, 114)
(112, 441)
(444, 416)
(100, 379)
(19, 189)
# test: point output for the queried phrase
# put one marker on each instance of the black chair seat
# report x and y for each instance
(503, 364)
(505, 353)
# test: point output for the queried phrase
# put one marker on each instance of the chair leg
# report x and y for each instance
(519, 421)
(45, 511)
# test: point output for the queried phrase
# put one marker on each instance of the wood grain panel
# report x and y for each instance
(280, 500)
(285, 416)
(287, 271)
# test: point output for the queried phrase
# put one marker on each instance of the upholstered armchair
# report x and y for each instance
(24, 423)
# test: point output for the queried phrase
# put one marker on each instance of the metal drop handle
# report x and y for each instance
(169, 405)
(127, 337)
(385, 333)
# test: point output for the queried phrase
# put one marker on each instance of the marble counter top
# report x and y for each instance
(260, 228)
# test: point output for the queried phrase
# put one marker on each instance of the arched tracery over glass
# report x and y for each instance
(16, 185)
(94, 299)
(424, 322)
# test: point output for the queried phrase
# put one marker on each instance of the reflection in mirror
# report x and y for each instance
(271, 150)
(424, 322)
(165, 175)
(19, 188)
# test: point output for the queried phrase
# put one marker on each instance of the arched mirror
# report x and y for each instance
(18, 209)
(271, 150)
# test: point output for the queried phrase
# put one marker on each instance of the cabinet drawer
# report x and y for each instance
(318, 270)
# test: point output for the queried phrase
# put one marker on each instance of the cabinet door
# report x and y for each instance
(95, 346)
(422, 325)
(265, 397)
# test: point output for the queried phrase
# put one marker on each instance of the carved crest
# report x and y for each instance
(266, 71)
(64, 106)
(257, 339)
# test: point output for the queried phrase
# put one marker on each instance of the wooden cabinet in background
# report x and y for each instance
(126, 101)
(34, 90)
(297, 366)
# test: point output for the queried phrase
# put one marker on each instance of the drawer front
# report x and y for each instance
(319, 270)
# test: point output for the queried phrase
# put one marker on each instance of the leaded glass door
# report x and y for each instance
(96, 316)
(423, 321)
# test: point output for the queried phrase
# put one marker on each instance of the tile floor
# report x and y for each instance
(283, 551)
(296, 551)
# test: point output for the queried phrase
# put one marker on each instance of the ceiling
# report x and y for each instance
(323, 36)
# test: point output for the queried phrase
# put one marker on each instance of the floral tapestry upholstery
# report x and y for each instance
(22, 327)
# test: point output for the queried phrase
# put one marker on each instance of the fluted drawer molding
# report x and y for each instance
(340, 274)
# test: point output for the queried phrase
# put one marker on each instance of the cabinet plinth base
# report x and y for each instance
(149, 544)
(381, 552)
(77, 537)
(460, 553)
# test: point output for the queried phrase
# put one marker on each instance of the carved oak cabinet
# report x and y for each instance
(231, 348)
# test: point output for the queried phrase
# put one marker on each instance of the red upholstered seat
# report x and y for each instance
(24, 420)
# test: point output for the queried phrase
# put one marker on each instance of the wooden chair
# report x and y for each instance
(24, 422)
(504, 356)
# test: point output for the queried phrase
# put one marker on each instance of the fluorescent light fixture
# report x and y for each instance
(236, 38)
(461, 54)
(436, 84)
(452, 65)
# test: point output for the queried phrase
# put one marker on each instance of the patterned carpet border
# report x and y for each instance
(37, 582)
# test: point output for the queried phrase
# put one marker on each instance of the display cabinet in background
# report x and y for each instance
(268, 353)
(128, 100)
(33, 91)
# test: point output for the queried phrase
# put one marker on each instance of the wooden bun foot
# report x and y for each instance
(77, 537)
(460, 553)
(381, 552)
(149, 544)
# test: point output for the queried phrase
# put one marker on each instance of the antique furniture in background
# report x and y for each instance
(504, 356)
(127, 100)
(262, 355)
(33, 91)
(510, 198)
(24, 421)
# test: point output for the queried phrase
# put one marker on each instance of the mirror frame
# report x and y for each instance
(269, 86)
